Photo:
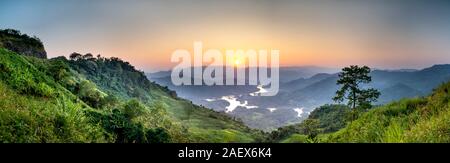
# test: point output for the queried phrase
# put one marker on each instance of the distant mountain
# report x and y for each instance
(191, 91)
(410, 120)
(261, 117)
(288, 74)
(159, 74)
(303, 82)
(308, 91)
(392, 84)
(399, 70)
(398, 91)
(315, 94)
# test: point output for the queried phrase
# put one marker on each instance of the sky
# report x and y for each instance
(387, 34)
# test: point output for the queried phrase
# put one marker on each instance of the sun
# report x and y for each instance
(238, 61)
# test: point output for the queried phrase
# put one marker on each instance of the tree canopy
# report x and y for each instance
(350, 80)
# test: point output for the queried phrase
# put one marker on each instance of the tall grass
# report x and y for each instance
(424, 119)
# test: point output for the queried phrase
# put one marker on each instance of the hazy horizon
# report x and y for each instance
(381, 34)
(337, 68)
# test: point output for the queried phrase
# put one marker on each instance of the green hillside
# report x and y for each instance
(119, 78)
(416, 120)
(410, 120)
(34, 108)
(97, 99)
(91, 99)
(322, 121)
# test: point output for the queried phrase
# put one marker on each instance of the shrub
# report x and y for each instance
(89, 93)
(158, 135)
(44, 90)
(133, 108)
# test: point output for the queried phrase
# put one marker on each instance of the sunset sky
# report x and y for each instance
(382, 34)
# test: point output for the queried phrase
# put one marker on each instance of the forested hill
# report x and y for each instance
(87, 98)
(96, 99)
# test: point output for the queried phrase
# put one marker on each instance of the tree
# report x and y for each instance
(58, 69)
(11, 32)
(88, 56)
(100, 58)
(133, 108)
(110, 101)
(159, 115)
(310, 127)
(158, 135)
(350, 78)
(88, 92)
(75, 56)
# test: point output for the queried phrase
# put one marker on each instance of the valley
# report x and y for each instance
(313, 87)
(107, 100)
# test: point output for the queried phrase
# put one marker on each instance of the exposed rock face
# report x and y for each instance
(21, 43)
(25, 49)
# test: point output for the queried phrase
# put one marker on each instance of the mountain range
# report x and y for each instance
(302, 89)
(96, 99)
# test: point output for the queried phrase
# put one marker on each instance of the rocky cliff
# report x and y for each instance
(21, 43)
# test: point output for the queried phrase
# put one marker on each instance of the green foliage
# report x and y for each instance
(180, 118)
(409, 120)
(283, 132)
(299, 138)
(89, 99)
(295, 138)
(96, 100)
(158, 135)
(305, 132)
(114, 75)
(415, 120)
(110, 101)
(220, 136)
(120, 124)
(88, 92)
(310, 127)
(115, 102)
(44, 90)
(58, 69)
(29, 119)
(324, 119)
(331, 117)
(18, 73)
(134, 108)
(350, 78)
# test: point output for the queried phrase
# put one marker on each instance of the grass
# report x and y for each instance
(206, 125)
(422, 120)
(35, 107)
(27, 119)
(299, 138)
